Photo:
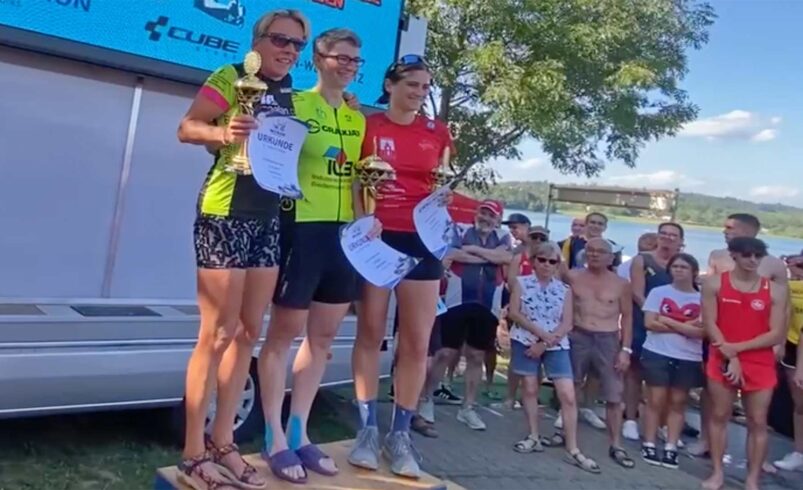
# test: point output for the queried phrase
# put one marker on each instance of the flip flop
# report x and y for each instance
(620, 456)
(283, 460)
(311, 457)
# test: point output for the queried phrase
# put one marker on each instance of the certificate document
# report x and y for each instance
(379, 263)
(433, 224)
(273, 151)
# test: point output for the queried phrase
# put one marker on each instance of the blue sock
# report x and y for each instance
(401, 419)
(367, 413)
(294, 430)
(268, 439)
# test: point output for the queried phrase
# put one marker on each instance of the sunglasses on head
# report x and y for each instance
(409, 60)
(281, 41)
(544, 260)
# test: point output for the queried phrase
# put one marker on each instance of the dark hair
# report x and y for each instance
(397, 69)
(597, 213)
(747, 219)
(747, 245)
(676, 225)
(689, 259)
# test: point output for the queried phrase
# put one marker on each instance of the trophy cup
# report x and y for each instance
(249, 90)
(443, 173)
(372, 171)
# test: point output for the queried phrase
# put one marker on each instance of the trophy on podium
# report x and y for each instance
(442, 174)
(249, 90)
(372, 171)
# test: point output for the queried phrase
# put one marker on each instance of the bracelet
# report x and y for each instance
(627, 349)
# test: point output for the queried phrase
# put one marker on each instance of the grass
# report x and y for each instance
(111, 450)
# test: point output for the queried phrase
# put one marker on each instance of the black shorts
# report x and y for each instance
(429, 269)
(472, 324)
(790, 355)
(666, 372)
(235, 243)
(314, 267)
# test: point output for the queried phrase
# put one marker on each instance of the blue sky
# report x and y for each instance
(748, 139)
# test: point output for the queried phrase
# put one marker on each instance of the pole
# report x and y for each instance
(548, 206)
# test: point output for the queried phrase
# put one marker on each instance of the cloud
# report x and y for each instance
(734, 125)
(530, 163)
(657, 178)
(776, 192)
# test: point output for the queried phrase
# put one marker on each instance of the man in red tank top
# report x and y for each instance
(743, 315)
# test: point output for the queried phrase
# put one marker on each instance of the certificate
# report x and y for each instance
(273, 151)
(379, 263)
(435, 227)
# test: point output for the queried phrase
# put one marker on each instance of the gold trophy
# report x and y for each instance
(443, 173)
(249, 90)
(372, 171)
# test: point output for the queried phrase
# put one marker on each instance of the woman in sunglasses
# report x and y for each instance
(541, 306)
(316, 288)
(237, 252)
(413, 144)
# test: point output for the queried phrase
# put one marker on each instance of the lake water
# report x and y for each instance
(699, 242)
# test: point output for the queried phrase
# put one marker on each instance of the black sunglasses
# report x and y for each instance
(281, 41)
(343, 59)
(544, 260)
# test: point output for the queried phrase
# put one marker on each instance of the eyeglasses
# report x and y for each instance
(281, 41)
(544, 260)
(344, 60)
(539, 237)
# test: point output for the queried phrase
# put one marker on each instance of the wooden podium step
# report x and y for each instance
(349, 478)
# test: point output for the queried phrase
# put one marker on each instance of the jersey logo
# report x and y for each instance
(683, 313)
(387, 145)
(337, 162)
(758, 305)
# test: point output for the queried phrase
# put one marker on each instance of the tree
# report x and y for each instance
(592, 80)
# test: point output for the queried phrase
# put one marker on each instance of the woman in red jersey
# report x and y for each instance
(743, 316)
(413, 144)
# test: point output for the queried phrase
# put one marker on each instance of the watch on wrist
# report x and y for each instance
(628, 350)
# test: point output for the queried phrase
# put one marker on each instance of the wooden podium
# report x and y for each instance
(349, 478)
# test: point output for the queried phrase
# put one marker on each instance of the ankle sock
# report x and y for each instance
(670, 447)
(401, 419)
(367, 412)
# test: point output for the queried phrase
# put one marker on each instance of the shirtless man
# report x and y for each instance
(720, 261)
(602, 302)
(744, 317)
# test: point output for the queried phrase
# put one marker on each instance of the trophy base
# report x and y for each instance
(238, 168)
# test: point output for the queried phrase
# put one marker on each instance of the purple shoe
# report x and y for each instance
(283, 460)
(311, 457)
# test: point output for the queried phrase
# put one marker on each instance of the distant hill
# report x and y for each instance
(693, 209)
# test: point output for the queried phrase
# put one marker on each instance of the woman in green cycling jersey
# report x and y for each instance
(316, 282)
(237, 253)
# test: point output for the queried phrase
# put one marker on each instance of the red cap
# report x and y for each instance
(492, 206)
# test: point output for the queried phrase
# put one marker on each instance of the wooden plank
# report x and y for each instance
(349, 478)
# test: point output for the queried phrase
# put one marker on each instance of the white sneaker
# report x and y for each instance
(630, 430)
(468, 416)
(559, 421)
(591, 418)
(790, 462)
(426, 409)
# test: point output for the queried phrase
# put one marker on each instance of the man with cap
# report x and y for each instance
(473, 299)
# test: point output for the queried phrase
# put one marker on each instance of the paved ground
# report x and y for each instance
(486, 461)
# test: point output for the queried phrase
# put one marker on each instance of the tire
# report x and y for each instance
(248, 423)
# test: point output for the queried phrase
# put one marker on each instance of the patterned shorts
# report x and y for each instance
(236, 243)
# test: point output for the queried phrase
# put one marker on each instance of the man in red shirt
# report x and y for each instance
(743, 316)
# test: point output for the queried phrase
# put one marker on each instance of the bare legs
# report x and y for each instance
(721, 407)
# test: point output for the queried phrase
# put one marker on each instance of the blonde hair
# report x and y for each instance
(547, 249)
(262, 25)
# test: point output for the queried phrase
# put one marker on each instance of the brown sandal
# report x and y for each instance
(190, 471)
(249, 479)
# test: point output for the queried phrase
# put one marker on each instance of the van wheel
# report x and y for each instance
(248, 419)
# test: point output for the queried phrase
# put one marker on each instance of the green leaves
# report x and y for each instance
(591, 80)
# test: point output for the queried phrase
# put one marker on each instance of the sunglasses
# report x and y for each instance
(544, 260)
(409, 60)
(281, 41)
(538, 236)
(343, 60)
